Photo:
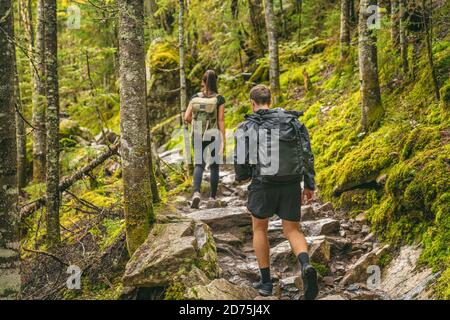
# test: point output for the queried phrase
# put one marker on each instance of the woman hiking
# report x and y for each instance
(206, 113)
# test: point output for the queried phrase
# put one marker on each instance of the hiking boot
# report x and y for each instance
(264, 289)
(310, 286)
(195, 200)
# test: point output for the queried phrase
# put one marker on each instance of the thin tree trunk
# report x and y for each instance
(299, 9)
(403, 38)
(345, 28)
(427, 13)
(371, 107)
(9, 218)
(283, 19)
(395, 24)
(52, 123)
(38, 113)
(183, 87)
(256, 21)
(274, 67)
(135, 150)
(20, 130)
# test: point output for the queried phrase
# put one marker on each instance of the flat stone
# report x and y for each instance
(325, 226)
(219, 219)
(221, 289)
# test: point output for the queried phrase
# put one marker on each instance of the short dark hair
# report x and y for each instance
(261, 94)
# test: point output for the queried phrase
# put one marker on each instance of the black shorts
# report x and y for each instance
(283, 200)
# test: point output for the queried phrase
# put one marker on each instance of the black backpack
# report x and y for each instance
(292, 148)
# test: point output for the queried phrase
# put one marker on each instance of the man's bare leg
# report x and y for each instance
(291, 231)
(299, 246)
(261, 241)
(262, 251)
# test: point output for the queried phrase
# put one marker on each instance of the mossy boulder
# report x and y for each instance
(171, 251)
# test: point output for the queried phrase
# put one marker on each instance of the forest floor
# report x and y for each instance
(345, 253)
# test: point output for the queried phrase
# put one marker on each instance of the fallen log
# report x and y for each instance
(67, 182)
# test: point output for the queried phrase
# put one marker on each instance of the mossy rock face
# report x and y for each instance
(358, 199)
(419, 139)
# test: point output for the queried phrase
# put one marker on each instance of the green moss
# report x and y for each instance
(419, 139)
(176, 291)
(320, 268)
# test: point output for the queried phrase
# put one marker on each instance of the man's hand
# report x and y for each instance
(307, 196)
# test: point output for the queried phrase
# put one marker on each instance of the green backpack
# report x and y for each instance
(204, 112)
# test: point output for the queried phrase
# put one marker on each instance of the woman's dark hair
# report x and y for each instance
(210, 81)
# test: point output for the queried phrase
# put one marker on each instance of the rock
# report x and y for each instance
(261, 298)
(329, 281)
(216, 203)
(281, 256)
(325, 226)
(307, 213)
(319, 251)
(220, 219)
(291, 284)
(111, 137)
(221, 289)
(339, 245)
(170, 251)
(358, 271)
(333, 297)
(402, 279)
(381, 180)
(242, 190)
(365, 229)
(229, 179)
(227, 238)
(370, 237)
(326, 207)
(362, 217)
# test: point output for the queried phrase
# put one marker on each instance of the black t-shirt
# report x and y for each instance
(220, 99)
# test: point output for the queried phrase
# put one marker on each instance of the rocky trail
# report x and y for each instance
(343, 249)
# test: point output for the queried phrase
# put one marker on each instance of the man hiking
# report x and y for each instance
(276, 167)
(206, 113)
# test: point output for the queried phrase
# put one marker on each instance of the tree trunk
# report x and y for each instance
(21, 137)
(403, 38)
(274, 67)
(256, 22)
(9, 218)
(372, 109)
(299, 9)
(353, 15)
(395, 24)
(427, 13)
(52, 123)
(345, 28)
(183, 87)
(134, 124)
(283, 20)
(38, 114)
